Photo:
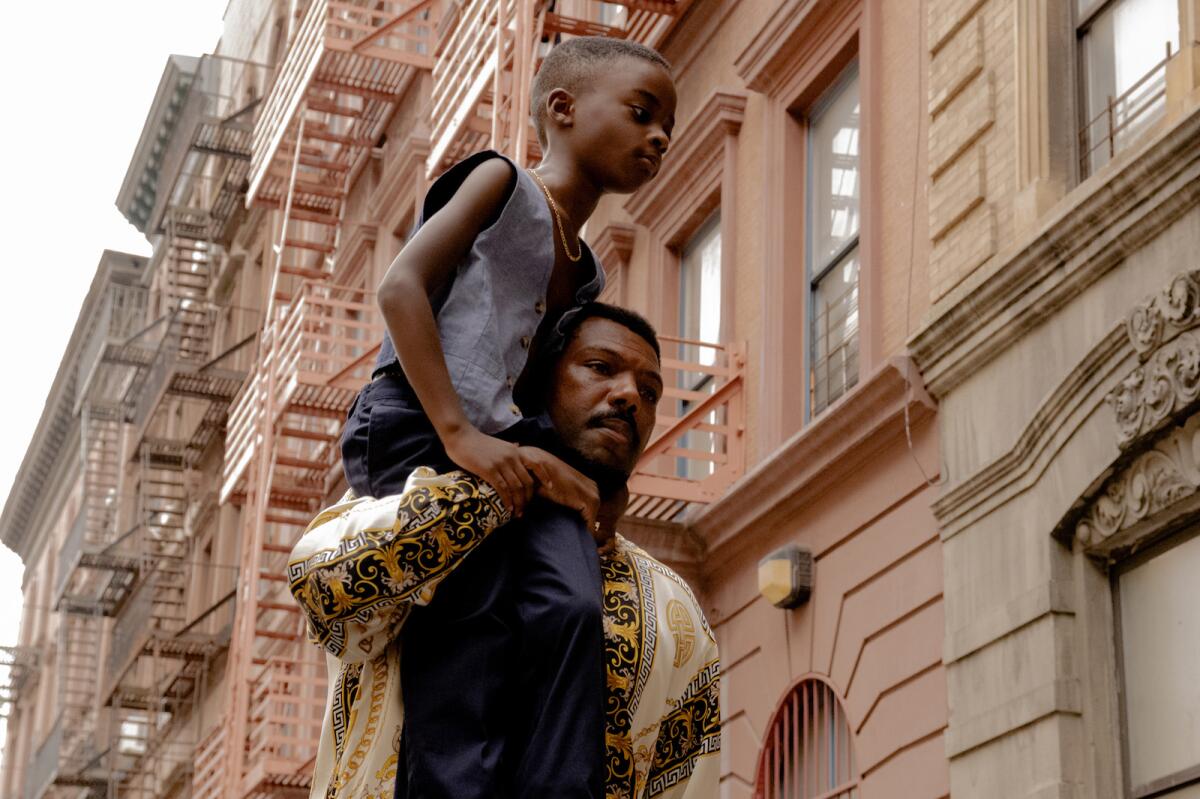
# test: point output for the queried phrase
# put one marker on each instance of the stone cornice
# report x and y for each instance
(614, 245)
(1119, 212)
(824, 451)
(691, 168)
(795, 26)
(48, 452)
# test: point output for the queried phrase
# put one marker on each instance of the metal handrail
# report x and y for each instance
(1110, 109)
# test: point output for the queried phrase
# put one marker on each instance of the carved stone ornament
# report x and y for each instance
(1169, 378)
(1157, 320)
(1168, 382)
(1156, 479)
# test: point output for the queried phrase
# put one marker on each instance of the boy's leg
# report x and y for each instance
(558, 743)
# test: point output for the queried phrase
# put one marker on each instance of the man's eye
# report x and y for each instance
(649, 395)
(599, 366)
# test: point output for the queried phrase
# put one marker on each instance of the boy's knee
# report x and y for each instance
(564, 614)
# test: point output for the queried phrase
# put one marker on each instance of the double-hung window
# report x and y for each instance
(700, 320)
(833, 254)
(1123, 49)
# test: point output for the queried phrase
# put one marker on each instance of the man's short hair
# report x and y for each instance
(533, 398)
(575, 63)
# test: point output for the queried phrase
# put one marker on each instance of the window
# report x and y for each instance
(833, 212)
(1123, 48)
(1159, 646)
(699, 320)
(809, 750)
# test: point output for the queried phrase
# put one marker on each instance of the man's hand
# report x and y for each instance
(560, 483)
(496, 461)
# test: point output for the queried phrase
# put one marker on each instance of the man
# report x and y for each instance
(365, 563)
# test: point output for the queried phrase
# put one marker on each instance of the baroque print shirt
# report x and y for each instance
(364, 563)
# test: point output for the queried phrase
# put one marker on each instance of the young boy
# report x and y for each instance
(502, 674)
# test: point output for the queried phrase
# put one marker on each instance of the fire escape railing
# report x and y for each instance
(698, 447)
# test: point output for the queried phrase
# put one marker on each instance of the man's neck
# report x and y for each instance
(575, 193)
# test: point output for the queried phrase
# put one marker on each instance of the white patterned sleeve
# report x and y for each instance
(363, 563)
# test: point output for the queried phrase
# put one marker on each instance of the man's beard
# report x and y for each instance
(608, 478)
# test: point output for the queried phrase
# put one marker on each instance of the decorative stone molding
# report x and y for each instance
(796, 28)
(1166, 384)
(1168, 380)
(1163, 316)
(1155, 480)
(613, 247)
(693, 168)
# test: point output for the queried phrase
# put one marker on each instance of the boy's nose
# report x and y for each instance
(660, 141)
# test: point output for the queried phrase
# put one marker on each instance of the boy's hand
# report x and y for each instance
(560, 483)
(496, 461)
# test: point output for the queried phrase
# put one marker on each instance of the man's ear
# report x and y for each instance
(560, 108)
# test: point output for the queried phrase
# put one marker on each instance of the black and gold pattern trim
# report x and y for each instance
(624, 621)
(688, 733)
(377, 570)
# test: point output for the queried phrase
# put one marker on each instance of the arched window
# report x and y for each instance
(809, 750)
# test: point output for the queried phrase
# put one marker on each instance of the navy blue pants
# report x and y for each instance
(502, 674)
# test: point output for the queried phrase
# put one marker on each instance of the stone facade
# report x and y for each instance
(1058, 349)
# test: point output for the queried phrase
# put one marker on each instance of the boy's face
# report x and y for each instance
(623, 122)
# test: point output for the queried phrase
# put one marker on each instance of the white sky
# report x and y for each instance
(79, 76)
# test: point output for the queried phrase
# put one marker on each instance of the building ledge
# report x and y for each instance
(1093, 229)
(830, 447)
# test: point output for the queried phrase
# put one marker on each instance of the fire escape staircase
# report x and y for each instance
(346, 66)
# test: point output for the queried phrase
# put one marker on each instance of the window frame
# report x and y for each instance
(850, 72)
(1080, 25)
(1190, 775)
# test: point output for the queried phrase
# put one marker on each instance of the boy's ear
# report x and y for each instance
(560, 108)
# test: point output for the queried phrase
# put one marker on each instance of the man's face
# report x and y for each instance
(604, 394)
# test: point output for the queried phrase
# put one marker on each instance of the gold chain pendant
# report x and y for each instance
(558, 218)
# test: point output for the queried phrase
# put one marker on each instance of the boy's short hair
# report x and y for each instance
(573, 63)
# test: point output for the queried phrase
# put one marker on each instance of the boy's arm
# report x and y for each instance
(362, 564)
(425, 265)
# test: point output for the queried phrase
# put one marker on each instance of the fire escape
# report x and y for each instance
(345, 67)
(95, 571)
(165, 640)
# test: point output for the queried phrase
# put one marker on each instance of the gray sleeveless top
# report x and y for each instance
(488, 315)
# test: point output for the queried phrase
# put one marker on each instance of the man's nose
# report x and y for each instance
(623, 391)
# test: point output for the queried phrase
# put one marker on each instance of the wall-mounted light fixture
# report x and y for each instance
(785, 577)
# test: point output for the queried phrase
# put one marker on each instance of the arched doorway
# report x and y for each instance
(809, 749)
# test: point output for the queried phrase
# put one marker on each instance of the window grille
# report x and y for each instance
(809, 751)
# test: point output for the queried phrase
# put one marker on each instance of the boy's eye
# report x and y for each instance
(640, 114)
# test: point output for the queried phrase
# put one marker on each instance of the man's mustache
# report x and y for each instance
(599, 419)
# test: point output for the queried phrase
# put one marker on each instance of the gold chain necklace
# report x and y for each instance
(562, 232)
